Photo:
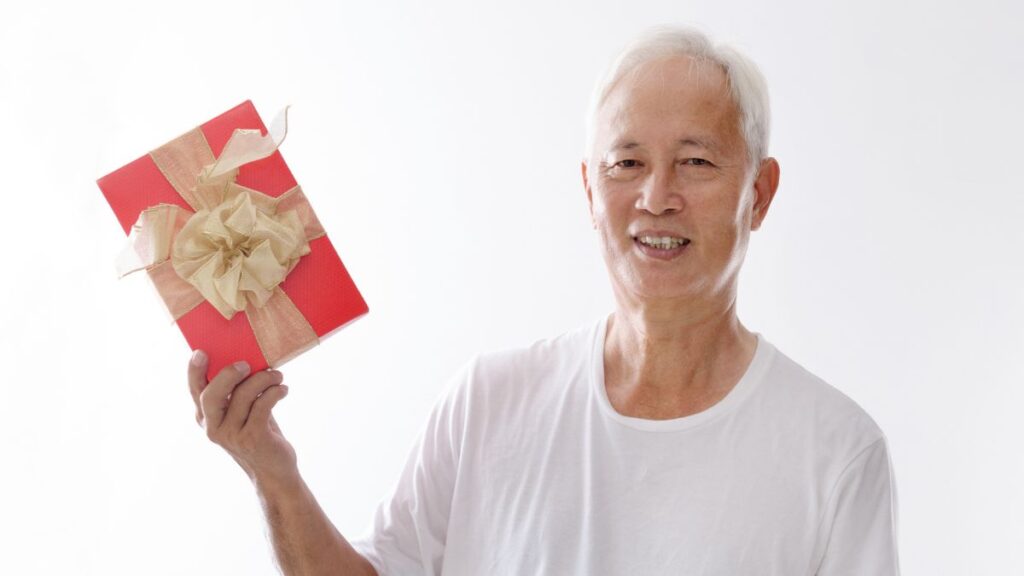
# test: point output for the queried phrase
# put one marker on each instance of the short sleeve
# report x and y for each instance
(860, 525)
(410, 526)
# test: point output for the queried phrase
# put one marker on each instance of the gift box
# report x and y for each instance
(235, 251)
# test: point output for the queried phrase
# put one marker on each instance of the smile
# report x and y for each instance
(662, 242)
(661, 247)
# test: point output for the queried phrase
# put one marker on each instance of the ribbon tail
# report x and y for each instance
(247, 146)
(150, 240)
(149, 248)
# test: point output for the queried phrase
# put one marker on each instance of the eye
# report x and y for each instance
(623, 170)
(697, 162)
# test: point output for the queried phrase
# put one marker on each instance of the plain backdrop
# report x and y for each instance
(440, 145)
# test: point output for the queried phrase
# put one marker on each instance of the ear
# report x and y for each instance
(590, 197)
(765, 185)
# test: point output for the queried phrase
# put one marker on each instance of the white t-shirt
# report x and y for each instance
(525, 468)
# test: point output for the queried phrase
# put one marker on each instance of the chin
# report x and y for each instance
(658, 287)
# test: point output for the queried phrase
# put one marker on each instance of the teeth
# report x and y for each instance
(663, 242)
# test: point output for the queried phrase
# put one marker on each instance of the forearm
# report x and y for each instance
(305, 541)
(235, 410)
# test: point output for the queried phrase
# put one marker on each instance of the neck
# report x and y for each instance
(667, 360)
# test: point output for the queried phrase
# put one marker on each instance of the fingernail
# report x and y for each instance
(198, 357)
(284, 389)
(242, 366)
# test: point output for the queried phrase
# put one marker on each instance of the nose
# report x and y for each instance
(660, 193)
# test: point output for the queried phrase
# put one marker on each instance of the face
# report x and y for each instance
(671, 190)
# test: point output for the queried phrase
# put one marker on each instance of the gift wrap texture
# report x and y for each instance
(231, 243)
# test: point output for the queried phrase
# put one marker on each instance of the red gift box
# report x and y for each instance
(319, 286)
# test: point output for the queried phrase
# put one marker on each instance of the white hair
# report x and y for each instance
(746, 83)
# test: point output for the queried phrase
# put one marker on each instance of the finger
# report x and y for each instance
(213, 400)
(197, 378)
(245, 394)
(260, 415)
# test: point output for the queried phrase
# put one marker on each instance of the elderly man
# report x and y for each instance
(665, 438)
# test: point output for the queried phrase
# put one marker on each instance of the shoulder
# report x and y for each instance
(565, 352)
(807, 405)
(530, 376)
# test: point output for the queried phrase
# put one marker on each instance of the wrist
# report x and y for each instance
(277, 483)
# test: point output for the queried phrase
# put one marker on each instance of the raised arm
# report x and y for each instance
(235, 410)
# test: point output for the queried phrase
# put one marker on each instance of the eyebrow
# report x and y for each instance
(699, 142)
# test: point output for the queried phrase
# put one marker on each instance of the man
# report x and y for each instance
(663, 439)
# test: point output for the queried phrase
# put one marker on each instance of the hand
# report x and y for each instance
(235, 411)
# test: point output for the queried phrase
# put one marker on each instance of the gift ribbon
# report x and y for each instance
(236, 245)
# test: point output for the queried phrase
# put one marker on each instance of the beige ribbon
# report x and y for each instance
(237, 244)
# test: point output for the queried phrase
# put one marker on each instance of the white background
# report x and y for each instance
(440, 145)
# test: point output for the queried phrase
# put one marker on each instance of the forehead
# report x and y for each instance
(670, 99)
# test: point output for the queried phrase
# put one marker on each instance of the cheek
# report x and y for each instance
(610, 223)
(721, 210)
(612, 202)
(600, 210)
